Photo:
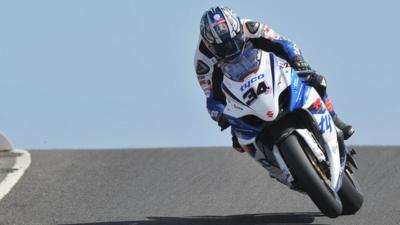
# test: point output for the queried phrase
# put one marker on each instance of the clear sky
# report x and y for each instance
(110, 74)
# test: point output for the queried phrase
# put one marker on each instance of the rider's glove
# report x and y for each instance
(299, 64)
(318, 82)
(223, 123)
(216, 110)
(315, 80)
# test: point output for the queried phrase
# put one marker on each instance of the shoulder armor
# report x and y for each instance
(252, 26)
(201, 68)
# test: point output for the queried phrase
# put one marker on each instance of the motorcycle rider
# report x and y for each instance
(223, 36)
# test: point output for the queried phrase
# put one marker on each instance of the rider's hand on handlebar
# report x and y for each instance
(299, 64)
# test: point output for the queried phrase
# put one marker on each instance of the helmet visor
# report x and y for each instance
(229, 49)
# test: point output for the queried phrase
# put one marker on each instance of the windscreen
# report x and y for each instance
(248, 62)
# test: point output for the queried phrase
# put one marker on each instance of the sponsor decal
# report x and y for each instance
(296, 82)
(317, 104)
(317, 107)
(282, 64)
(206, 86)
(217, 17)
(251, 81)
(328, 104)
(205, 83)
(325, 124)
(221, 28)
(270, 114)
(237, 107)
(214, 114)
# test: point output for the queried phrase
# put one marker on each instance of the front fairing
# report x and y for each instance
(258, 93)
(255, 92)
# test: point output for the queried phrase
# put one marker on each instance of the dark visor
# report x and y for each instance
(230, 49)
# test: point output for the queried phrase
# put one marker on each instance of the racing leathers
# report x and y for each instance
(210, 75)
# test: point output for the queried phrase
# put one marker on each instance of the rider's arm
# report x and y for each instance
(210, 77)
(267, 39)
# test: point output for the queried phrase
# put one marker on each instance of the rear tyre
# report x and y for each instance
(305, 175)
(350, 194)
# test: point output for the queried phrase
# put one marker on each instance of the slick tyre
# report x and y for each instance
(305, 175)
(350, 194)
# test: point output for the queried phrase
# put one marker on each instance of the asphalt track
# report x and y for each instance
(183, 187)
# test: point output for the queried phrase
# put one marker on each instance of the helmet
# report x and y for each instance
(222, 33)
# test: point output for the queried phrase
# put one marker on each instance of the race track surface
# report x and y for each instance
(206, 186)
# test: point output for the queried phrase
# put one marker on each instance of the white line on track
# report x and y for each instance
(22, 163)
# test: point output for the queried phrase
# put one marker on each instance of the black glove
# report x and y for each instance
(318, 82)
(299, 64)
(223, 123)
(316, 79)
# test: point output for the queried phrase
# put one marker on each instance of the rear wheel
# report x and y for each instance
(306, 176)
(350, 194)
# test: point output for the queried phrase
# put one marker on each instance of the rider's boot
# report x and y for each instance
(235, 144)
(347, 129)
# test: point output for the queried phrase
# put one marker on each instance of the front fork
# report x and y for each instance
(346, 156)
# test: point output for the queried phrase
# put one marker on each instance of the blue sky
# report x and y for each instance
(110, 74)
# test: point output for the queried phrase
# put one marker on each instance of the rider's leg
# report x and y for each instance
(319, 83)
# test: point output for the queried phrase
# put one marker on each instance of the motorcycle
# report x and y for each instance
(284, 124)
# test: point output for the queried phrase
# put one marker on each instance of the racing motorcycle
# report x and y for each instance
(284, 124)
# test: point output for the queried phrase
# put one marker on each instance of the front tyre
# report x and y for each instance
(305, 175)
(350, 194)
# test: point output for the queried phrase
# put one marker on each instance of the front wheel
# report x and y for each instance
(350, 194)
(305, 175)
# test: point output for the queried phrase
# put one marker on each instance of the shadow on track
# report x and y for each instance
(246, 219)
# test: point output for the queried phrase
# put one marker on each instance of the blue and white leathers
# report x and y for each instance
(253, 86)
